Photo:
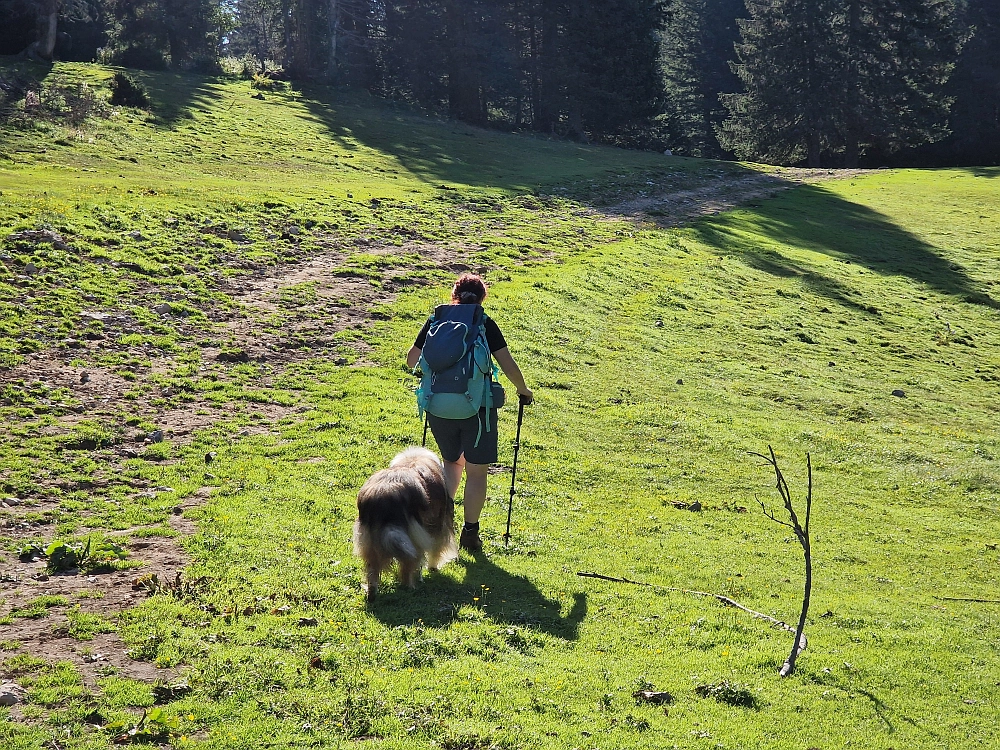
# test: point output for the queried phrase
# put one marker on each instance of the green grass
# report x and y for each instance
(661, 359)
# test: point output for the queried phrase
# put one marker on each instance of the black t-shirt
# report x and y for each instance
(494, 338)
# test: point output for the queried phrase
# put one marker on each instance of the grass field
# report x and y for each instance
(243, 276)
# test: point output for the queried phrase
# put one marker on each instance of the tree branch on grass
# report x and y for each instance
(802, 534)
(719, 597)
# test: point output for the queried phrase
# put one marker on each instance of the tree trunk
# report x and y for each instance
(334, 27)
(789, 666)
(813, 148)
(463, 89)
(547, 66)
(44, 46)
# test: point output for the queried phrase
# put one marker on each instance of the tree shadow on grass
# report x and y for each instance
(175, 95)
(813, 218)
(991, 172)
(502, 596)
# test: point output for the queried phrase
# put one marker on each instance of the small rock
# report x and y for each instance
(658, 324)
(11, 694)
(308, 622)
(178, 509)
(237, 236)
(294, 229)
(30, 269)
(12, 501)
(667, 152)
(680, 381)
(84, 377)
(209, 457)
(831, 364)
(92, 658)
(156, 436)
(162, 309)
(899, 393)
(695, 507)
(136, 235)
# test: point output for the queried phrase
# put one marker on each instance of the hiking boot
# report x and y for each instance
(469, 540)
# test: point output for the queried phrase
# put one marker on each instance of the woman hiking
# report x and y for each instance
(470, 444)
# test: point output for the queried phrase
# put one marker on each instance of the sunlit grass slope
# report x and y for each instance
(661, 359)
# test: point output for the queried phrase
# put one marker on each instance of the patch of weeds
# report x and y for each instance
(157, 452)
(38, 607)
(56, 685)
(119, 692)
(10, 645)
(360, 712)
(22, 664)
(732, 693)
(85, 625)
(92, 556)
(155, 725)
(90, 435)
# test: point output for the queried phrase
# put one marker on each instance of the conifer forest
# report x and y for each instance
(831, 83)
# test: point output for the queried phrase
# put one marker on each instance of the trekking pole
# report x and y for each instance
(423, 444)
(513, 469)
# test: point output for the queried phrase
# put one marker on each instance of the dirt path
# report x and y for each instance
(713, 196)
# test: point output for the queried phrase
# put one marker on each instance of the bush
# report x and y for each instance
(127, 92)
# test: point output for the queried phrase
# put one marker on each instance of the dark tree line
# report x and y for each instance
(820, 82)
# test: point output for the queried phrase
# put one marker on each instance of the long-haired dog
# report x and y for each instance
(405, 514)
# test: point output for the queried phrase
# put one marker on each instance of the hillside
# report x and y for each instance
(203, 314)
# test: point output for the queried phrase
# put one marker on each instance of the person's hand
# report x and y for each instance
(526, 396)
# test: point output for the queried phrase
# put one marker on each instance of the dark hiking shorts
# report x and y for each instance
(457, 436)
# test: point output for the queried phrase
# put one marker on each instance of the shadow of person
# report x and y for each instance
(501, 596)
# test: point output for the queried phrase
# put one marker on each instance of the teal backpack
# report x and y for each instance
(457, 369)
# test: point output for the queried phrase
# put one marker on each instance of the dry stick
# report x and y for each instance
(802, 534)
(724, 599)
(964, 599)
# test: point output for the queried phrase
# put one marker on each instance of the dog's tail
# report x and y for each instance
(396, 542)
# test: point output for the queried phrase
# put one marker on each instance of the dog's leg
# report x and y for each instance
(408, 570)
(372, 573)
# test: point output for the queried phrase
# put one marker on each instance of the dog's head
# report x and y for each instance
(416, 457)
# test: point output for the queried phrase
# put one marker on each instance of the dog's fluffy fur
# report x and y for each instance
(405, 514)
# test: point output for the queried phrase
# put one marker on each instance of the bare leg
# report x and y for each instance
(453, 475)
(475, 491)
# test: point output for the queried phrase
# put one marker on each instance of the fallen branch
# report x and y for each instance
(965, 599)
(718, 597)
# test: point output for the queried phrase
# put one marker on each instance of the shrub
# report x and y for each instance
(127, 92)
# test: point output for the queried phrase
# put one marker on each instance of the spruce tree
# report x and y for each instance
(788, 62)
(841, 78)
(695, 47)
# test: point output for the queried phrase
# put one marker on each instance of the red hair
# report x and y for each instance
(468, 290)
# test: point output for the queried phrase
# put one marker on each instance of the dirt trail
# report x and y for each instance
(713, 196)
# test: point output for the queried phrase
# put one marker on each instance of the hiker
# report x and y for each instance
(470, 444)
